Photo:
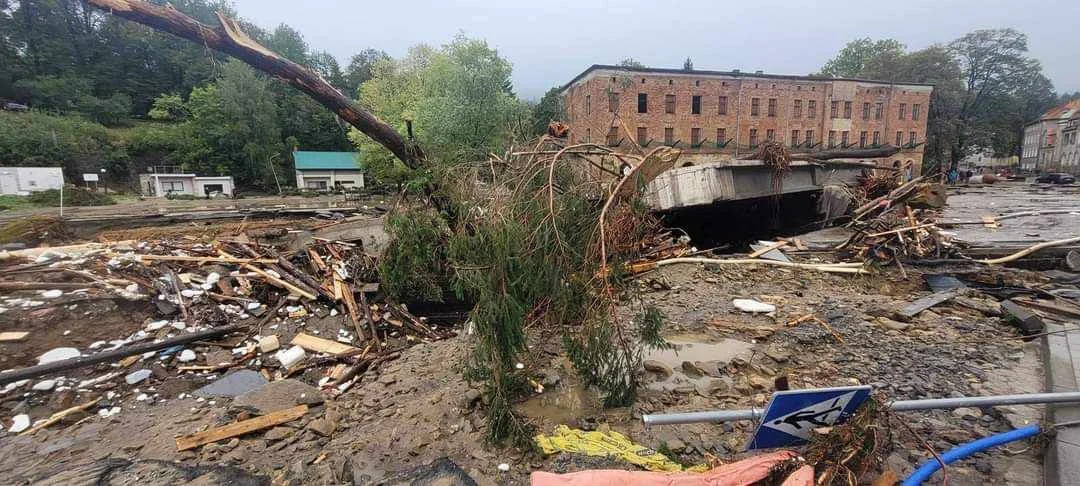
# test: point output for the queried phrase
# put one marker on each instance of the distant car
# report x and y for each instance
(14, 107)
(1055, 178)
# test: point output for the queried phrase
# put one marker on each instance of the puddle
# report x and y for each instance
(562, 404)
(688, 349)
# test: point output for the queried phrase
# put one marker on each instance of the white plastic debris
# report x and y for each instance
(333, 312)
(751, 305)
(132, 289)
(142, 397)
(51, 294)
(504, 467)
(187, 356)
(291, 356)
(44, 385)
(137, 376)
(212, 278)
(58, 354)
(108, 412)
(269, 343)
(188, 293)
(97, 344)
(520, 366)
(253, 305)
(67, 332)
(19, 423)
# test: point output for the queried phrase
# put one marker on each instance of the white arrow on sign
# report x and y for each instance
(822, 414)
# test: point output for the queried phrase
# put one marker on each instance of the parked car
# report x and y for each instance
(13, 107)
(1055, 178)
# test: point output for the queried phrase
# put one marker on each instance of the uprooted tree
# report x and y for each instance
(541, 246)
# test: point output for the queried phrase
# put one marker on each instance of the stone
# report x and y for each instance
(19, 423)
(967, 413)
(893, 325)
(676, 445)
(658, 367)
(58, 354)
(268, 344)
(44, 385)
(551, 378)
(387, 379)
(233, 384)
(753, 306)
(278, 433)
(322, 426)
(137, 376)
(187, 356)
(710, 387)
(778, 355)
(759, 383)
(470, 398)
(279, 395)
(692, 370)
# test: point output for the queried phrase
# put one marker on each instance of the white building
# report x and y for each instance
(22, 181)
(164, 181)
(1043, 139)
(323, 171)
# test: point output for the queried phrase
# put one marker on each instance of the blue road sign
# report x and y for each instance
(792, 415)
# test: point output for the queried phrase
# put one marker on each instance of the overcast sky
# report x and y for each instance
(551, 41)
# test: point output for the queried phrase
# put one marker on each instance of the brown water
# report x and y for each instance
(689, 349)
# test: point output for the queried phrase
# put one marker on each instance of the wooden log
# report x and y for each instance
(240, 428)
(274, 280)
(320, 345)
(350, 305)
(300, 275)
(1031, 249)
(205, 259)
(58, 416)
(870, 153)
(13, 336)
(45, 285)
(107, 356)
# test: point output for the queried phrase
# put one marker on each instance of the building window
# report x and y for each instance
(721, 135)
(877, 139)
(772, 107)
(753, 137)
(809, 138)
(642, 136)
(862, 138)
(844, 139)
(723, 106)
(697, 82)
(915, 111)
(755, 106)
(172, 186)
(796, 109)
(588, 135)
(695, 136)
(317, 185)
(642, 102)
(770, 135)
(613, 102)
(878, 110)
(794, 138)
(899, 138)
(832, 138)
(588, 104)
(903, 110)
(834, 109)
(695, 105)
(811, 109)
(669, 136)
(669, 103)
(613, 136)
(866, 111)
(847, 110)
(911, 138)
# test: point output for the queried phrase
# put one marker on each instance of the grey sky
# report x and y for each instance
(551, 41)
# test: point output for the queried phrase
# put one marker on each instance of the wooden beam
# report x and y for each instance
(13, 336)
(320, 345)
(240, 428)
(206, 259)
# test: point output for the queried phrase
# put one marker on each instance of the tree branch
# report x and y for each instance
(229, 39)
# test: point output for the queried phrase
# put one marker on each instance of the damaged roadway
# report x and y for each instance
(416, 408)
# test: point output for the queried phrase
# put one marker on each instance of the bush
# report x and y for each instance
(74, 196)
(412, 267)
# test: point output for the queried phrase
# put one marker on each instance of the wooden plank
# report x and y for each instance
(768, 248)
(913, 309)
(208, 259)
(1061, 308)
(240, 428)
(320, 345)
(12, 336)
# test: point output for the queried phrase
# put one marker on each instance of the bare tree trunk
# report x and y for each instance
(229, 39)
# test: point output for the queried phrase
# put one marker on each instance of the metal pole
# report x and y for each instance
(718, 416)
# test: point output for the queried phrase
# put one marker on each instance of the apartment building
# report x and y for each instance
(718, 115)
(1050, 142)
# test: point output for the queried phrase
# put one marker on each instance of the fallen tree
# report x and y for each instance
(870, 153)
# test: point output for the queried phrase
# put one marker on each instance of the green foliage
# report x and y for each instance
(168, 108)
(362, 68)
(37, 139)
(861, 56)
(73, 196)
(111, 111)
(688, 65)
(550, 108)
(631, 63)
(412, 267)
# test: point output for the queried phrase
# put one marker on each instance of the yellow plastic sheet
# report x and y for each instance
(609, 444)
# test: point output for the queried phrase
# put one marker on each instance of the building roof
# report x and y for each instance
(310, 160)
(1063, 111)
(734, 74)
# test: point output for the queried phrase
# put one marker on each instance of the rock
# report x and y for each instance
(750, 305)
(710, 387)
(759, 383)
(387, 379)
(233, 384)
(137, 376)
(967, 413)
(187, 356)
(986, 307)
(278, 433)
(692, 370)
(778, 355)
(279, 395)
(19, 423)
(470, 398)
(893, 325)
(44, 385)
(551, 378)
(676, 445)
(268, 344)
(51, 294)
(58, 354)
(658, 367)
(322, 426)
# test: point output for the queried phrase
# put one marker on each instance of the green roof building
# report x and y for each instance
(322, 171)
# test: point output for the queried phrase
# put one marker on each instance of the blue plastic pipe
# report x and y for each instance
(931, 466)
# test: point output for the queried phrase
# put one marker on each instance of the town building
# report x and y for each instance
(1045, 147)
(165, 180)
(719, 115)
(21, 181)
(323, 171)
(985, 161)
(1070, 146)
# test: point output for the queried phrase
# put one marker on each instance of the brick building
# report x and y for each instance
(717, 115)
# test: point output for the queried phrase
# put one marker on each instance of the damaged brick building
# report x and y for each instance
(717, 115)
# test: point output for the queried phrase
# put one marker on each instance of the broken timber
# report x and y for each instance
(320, 345)
(913, 309)
(240, 428)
